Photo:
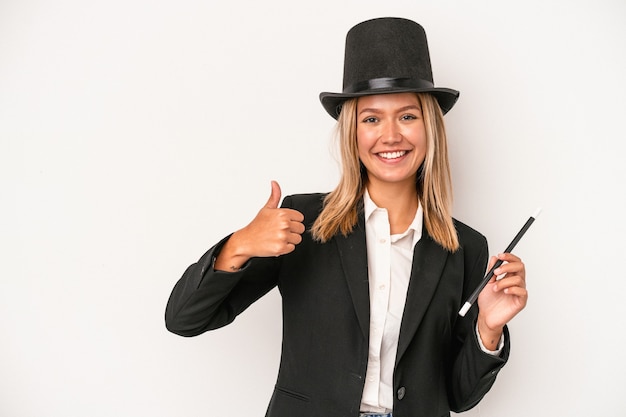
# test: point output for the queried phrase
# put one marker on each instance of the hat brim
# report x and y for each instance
(332, 102)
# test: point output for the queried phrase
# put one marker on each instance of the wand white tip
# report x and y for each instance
(537, 213)
(464, 309)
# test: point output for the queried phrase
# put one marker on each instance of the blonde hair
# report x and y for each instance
(433, 184)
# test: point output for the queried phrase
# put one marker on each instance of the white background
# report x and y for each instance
(136, 133)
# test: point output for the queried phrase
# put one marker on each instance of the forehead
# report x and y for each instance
(385, 101)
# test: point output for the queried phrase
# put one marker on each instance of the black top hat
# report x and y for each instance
(387, 55)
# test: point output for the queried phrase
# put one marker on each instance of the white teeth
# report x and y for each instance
(392, 155)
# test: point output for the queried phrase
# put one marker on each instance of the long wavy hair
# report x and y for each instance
(433, 183)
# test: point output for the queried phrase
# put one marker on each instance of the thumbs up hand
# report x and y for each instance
(274, 200)
(274, 231)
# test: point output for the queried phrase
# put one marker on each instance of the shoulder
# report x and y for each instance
(310, 205)
(469, 237)
(474, 251)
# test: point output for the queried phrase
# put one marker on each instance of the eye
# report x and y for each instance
(370, 119)
(408, 117)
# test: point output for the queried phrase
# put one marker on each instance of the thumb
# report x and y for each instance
(274, 199)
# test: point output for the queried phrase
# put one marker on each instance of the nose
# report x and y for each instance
(391, 133)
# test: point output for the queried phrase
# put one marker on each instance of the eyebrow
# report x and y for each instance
(400, 110)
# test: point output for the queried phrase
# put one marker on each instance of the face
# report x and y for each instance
(391, 138)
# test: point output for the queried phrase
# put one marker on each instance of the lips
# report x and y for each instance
(392, 155)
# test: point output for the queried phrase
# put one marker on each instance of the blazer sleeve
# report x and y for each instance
(473, 371)
(205, 299)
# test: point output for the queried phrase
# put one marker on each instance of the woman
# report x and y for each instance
(373, 274)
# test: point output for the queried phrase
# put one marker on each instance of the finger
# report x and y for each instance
(517, 292)
(274, 199)
(288, 216)
(297, 227)
(492, 262)
(509, 282)
(289, 247)
(295, 239)
(294, 215)
(511, 268)
(508, 257)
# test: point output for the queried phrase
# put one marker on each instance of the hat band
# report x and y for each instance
(387, 84)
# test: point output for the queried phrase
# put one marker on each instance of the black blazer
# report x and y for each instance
(325, 300)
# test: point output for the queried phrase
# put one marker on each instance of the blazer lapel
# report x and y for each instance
(353, 255)
(428, 262)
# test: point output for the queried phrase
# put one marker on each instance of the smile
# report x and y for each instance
(392, 155)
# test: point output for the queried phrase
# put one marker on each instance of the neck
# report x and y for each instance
(400, 200)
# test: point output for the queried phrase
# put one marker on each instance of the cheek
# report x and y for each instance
(366, 137)
(361, 145)
(417, 135)
(420, 143)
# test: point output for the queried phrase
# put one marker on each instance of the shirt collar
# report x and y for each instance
(416, 226)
